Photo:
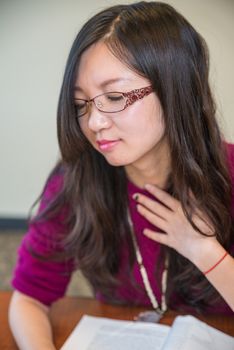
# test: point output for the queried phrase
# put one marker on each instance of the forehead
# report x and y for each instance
(98, 66)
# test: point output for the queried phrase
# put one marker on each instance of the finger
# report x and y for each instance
(163, 196)
(152, 218)
(152, 205)
(159, 237)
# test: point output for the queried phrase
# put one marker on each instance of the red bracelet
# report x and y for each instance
(218, 262)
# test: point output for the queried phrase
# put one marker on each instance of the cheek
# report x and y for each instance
(144, 117)
(158, 126)
(85, 129)
(88, 134)
(147, 123)
(155, 120)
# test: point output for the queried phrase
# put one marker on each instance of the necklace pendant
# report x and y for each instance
(153, 316)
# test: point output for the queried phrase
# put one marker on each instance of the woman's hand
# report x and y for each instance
(168, 216)
(178, 233)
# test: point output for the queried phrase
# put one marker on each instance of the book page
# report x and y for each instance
(189, 333)
(97, 333)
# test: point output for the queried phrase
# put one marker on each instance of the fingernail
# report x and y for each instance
(135, 196)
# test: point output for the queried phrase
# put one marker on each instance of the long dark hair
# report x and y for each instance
(158, 43)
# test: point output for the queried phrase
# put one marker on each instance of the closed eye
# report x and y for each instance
(80, 103)
(114, 97)
(80, 107)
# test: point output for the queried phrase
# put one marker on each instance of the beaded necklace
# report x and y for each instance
(157, 313)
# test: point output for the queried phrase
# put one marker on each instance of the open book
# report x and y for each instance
(186, 333)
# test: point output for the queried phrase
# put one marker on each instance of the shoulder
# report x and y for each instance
(230, 152)
(52, 203)
(229, 147)
(54, 182)
(53, 187)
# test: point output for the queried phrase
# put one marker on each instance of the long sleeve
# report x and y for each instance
(37, 275)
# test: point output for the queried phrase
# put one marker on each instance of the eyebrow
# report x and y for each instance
(105, 83)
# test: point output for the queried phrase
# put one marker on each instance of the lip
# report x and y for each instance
(107, 145)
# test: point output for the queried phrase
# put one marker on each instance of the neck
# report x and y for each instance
(152, 170)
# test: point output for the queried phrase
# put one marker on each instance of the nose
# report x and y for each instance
(98, 120)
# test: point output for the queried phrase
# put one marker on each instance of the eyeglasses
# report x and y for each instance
(111, 102)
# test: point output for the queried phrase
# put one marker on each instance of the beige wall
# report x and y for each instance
(35, 37)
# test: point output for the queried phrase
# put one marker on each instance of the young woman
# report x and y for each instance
(142, 199)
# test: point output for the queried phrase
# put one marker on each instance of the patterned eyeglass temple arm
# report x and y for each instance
(137, 94)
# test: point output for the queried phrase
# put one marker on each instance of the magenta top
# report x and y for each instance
(47, 281)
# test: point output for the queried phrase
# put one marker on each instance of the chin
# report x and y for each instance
(116, 162)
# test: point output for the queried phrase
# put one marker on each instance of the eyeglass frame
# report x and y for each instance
(130, 97)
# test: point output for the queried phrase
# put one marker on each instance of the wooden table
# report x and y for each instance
(68, 311)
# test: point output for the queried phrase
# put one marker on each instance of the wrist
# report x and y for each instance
(208, 254)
